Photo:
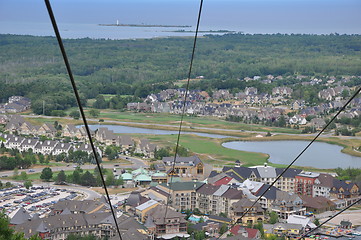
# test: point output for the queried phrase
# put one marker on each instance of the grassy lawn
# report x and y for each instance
(210, 150)
(170, 119)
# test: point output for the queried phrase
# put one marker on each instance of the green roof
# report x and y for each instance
(140, 171)
(143, 178)
(127, 176)
(159, 174)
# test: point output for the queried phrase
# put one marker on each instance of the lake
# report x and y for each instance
(318, 155)
(126, 129)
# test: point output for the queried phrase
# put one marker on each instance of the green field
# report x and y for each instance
(190, 121)
(210, 150)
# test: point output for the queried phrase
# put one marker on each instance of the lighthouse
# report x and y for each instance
(117, 22)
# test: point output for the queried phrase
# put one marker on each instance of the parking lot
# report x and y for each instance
(37, 199)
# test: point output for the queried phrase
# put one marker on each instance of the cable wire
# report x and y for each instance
(184, 103)
(65, 58)
(336, 214)
(299, 155)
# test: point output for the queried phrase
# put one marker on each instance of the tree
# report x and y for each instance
(16, 173)
(273, 217)
(119, 181)
(110, 180)
(76, 177)
(316, 222)
(41, 158)
(182, 151)
(100, 102)
(74, 114)
(73, 236)
(46, 174)
(94, 113)
(223, 229)
(87, 179)
(61, 177)
(8, 233)
(23, 176)
(28, 184)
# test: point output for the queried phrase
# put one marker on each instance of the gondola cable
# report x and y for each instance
(68, 68)
(183, 106)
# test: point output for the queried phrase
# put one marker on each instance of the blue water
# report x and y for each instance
(129, 130)
(78, 19)
(318, 155)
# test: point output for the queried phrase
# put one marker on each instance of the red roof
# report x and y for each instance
(223, 181)
(252, 233)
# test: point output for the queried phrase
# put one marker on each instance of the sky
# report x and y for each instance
(300, 15)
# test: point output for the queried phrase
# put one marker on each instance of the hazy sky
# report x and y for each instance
(300, 15)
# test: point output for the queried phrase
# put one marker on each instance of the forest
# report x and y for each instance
(32, 66)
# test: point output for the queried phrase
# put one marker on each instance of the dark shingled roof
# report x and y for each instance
(20, 217)
(270, 194)
(290, 173)
(182, 186)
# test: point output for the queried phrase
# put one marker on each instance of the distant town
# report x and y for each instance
(163, 199)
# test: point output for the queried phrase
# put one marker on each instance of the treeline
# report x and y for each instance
(86, 178)
(353, 174)
(143, 66)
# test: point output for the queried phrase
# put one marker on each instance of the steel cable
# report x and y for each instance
(65, 58)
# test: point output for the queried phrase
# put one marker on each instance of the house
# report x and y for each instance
(347, 191)
(141, 210)
(211, 228)
(125, 142)
(47, 130)
(145, 148)
(78, 207)
(282, 91)
(27, 144)
(297, 119)
(304, 183)
(289, 230)
(182, 194)
(45, 147)
(217, 199)
(186, 167)
(246, 232)
(287, 204)
(106, 136)
(14, 142)
(62, 148)
(166, 223)
(254, 214)
(317, 204)
(318, 123)
(302, 220)
(322, 185)
(156, 193)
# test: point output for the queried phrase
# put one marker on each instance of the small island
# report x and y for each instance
(144, 25)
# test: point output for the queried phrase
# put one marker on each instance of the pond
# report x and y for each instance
(126, 129)
(318, 155)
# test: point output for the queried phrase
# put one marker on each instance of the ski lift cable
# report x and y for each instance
(68, 68)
